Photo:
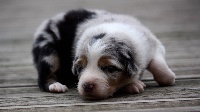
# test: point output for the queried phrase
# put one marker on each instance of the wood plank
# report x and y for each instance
(180, 95)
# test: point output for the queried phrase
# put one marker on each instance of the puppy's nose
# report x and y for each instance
(88, 87)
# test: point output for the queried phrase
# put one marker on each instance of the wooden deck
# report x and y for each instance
(175, 22)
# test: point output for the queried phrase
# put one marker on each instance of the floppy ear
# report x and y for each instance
(131, 68)
(79, 64)
(127, 60)
(74, 71)
(76, 67)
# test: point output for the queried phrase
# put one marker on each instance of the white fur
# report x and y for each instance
(57, 88)
(95, 51)
(134, 35)
(48, 39)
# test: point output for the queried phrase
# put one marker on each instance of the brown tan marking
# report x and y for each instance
(54, 63)
(82, 60)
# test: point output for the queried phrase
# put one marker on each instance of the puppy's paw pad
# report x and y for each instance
(57, 88)
(135, 87)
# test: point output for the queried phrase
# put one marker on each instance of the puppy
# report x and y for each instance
(106, 52)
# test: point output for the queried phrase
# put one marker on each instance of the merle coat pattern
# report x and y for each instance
(105, 51)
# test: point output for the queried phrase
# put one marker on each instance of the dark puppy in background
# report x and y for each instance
(105, 52)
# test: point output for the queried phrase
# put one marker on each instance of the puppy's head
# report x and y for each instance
(105, 67)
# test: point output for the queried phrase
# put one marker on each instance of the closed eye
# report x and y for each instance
(111, 69)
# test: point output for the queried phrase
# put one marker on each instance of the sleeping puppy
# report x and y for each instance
(106, 52)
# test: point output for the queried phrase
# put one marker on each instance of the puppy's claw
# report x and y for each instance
(57, 88)
(135, 87)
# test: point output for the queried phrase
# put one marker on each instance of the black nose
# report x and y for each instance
(88, 87)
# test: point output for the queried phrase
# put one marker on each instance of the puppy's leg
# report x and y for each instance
(57, 88)
(161, 72)
(47, 63)
(53, 61)
(47, 67)
(46, 57)
(136, 86)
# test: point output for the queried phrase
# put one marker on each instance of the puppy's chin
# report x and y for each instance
(100, 90)
(94, 97)
(96, 94)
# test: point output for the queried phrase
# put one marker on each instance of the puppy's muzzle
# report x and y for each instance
(88, 87)
(94, 88)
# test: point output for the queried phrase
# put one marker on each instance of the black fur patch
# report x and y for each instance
(67, 30)
(100, 36)
(62, 46)
(43, 73)
(95, 38)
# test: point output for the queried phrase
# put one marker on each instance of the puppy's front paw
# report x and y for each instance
(57, 88)
(136, 86)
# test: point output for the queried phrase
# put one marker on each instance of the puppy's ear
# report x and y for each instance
(74, 68)
(131, 68)
(78, 65)
(128, 61)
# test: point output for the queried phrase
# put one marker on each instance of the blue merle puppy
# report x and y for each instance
(99, 52)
